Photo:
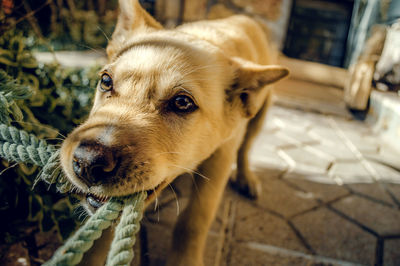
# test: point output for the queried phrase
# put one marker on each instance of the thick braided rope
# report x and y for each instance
(121, 252)
(19, 146)
(72, 251)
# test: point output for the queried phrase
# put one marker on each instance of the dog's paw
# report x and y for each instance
(248, 185)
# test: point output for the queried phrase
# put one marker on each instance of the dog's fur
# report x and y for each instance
(224, 66)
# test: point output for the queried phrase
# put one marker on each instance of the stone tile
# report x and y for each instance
(366, 144)
(316, 177)
(338, 150)
(16, 255)
(351, 172)
(391, 255)
(299, 135)
(242, 255)
(386, 174)
(254, 224)
(268, 173)
(272, 124)
(382, 219)
(159, 239)
(317, 190)
(183, 185)
(374, 190)
(395, 190)
(271, 142)
(265, 158)
(50, 241)
(332, 236)
(387, 155)
(353, 126)
(325, 135)
(306, 159)
(167, 214)
(256, 254)
(279, 197)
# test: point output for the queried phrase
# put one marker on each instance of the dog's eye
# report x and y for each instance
(106, 83)
(182, 104)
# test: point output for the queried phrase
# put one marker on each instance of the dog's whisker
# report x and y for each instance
(96, 50)
(105, 35)
(176, 200)
(192, 171)
(40, 125)
(194, 183)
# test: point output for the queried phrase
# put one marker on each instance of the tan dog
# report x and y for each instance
(170, 102)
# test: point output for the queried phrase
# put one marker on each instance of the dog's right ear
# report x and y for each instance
(132, 19)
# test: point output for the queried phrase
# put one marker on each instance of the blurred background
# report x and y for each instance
(328, 154)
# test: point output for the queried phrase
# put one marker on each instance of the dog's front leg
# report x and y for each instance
(191, 230)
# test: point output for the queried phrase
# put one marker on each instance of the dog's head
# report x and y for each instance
(164, 103)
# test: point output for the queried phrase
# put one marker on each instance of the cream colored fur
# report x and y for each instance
(225, 66)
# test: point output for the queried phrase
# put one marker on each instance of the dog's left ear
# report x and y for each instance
(132, 19)
(249, 86)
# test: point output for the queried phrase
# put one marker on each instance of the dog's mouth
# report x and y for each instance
(96, 201)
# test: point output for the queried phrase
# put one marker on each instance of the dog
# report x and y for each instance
(190, 99)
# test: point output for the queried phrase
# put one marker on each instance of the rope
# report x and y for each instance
(19, 146)
(121, 252)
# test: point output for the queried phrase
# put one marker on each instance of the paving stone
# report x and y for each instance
(387, 155)
(374, 190)
(267, 174)
(305, 159)
(300, 135)
(265, 158)
(391, 255)
(16, 255)
(271, 124)
(353, 126)
(183, 185)
(325, 135)
(283, 199)
(332, 236)
(386, 174)
(382, 219)
(272, 142)
(50, 241)
(364, 143)
(254, 224)
(338, 151)
(315, 177)
(321, 191)
(167, 214)
(395, 190)
(241, 255)
(351, 172)
(159, 239)
(255, 254)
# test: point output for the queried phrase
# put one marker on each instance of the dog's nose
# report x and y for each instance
(93, 162)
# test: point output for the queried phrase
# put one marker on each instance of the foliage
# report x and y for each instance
(48, 101)
(69, 24)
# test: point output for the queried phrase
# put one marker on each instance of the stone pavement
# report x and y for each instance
(331, 193)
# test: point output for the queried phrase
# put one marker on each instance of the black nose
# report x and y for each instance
(93, 162)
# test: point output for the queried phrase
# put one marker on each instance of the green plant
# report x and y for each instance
(49, 101)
